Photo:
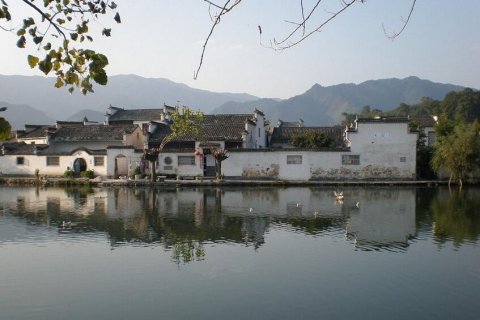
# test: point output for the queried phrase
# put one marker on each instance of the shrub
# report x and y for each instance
(69, 173)
(87, 174)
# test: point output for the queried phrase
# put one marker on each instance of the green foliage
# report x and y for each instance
(424, 158)
(69, 173)
(461, 106)
(59, 29)
(186, 123)
(458, 152)
(457, 218)
(87, 174)
(5, 129)
(311, 140)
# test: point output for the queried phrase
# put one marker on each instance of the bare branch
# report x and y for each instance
(223, 10)
(294, 31)
(395, 34)
(280, 45)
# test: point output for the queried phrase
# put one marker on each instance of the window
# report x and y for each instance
(403, 159)
(53, 161)
(20, 161)
(350, 159)
(186, 160)
(98, 161)
(294, 159)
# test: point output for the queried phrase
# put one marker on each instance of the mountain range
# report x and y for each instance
(323, 106)
(125, 91)
(34, 100)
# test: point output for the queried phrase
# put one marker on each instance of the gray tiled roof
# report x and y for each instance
(92, 133)
(282, 135)
(136, 115)
(227, 119)
(423, 121)
(209, 132)
(384, 119)
(35, 132)
(22, 148)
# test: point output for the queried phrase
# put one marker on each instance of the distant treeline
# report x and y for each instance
(461, 106)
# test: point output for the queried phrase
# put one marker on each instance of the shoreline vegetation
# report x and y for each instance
(100, 182)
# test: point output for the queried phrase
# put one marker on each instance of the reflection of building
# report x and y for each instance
(168, 216)
(384, 217)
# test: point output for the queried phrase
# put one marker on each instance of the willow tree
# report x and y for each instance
(458, 152)
(186, 123)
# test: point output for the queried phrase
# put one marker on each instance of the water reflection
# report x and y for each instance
(456, 216)
(183, 220)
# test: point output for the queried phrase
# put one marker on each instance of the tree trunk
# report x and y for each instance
(153, 173)
(217, 169)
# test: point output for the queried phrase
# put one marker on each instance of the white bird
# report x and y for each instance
(299, 204)
(338, 196)
(357, 204)
(251, 209)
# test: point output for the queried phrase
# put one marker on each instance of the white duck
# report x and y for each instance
(338, 196)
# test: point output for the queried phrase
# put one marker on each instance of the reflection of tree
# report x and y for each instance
(186, 250)
(313, 226)
(456, 218)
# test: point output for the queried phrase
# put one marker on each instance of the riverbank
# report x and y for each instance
(51, 181)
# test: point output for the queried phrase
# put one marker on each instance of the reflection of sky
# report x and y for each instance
(383, 216)
(47, 272)
(375, 222)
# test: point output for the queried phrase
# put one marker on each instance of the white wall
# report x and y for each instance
(133, 159)
(183, 170)
(8, 164)
(321, 165)
(382, 147)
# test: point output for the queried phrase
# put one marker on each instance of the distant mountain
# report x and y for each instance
(324, 105)
(20, 114)
(126, 91)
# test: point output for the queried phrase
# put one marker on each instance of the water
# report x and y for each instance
(239, 253)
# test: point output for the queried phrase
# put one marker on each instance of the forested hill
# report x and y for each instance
(324, 105)
(457, 106)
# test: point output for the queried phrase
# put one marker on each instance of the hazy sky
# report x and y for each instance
(163, 39)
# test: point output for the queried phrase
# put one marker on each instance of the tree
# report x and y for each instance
(311, 140)
(299, 30)
(185, 123)
(58, 29)
(5, 126)
(219, 155)
(458, 152)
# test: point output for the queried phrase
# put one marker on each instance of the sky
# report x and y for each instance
(164, 38)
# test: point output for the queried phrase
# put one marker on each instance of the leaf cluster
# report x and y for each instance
(311, 140)
(5, 129)
(458, 150)
(58, 29)
(185, 123)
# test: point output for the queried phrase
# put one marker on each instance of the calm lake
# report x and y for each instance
(239, 253)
